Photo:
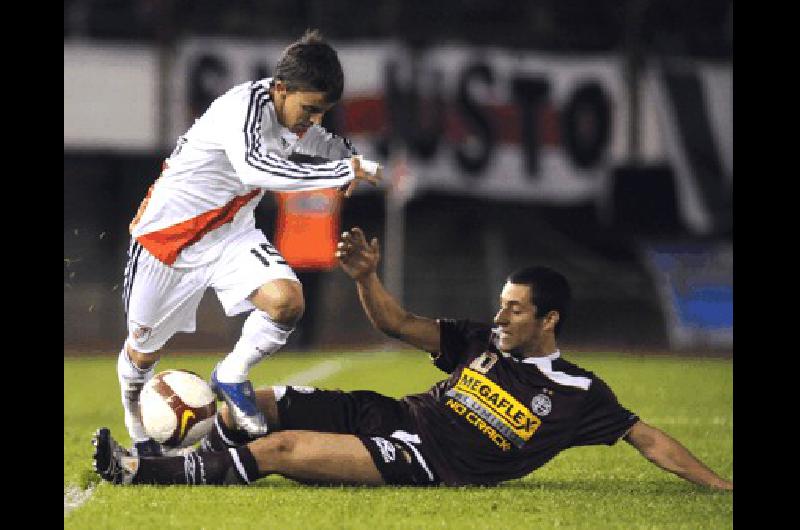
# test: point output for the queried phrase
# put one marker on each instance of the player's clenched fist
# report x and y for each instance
(357, 257)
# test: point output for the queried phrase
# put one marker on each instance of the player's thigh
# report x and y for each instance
(377, 421)
(317, 457)
(247, 264)
(356, 412)
(159, 300)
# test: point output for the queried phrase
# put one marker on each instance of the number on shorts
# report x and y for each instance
(267, 252)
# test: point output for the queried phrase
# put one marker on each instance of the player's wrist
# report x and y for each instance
(370, 167)
(367, 278)
(722, 484)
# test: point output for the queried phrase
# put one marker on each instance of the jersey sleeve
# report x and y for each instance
(457, 339)
(239, 120)
(321, 144)
(603, 420)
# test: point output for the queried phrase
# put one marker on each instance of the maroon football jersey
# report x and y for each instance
(498, 418)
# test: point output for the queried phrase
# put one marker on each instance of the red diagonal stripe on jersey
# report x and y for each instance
(166, 244)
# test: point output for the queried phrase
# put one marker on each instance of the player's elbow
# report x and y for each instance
(393, 325)
(388, 329)
(651, 453)
(657, 447)
(645, 439)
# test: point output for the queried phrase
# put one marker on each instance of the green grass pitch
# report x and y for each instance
(588, 487)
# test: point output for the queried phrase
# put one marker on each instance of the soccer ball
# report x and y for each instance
(177, 408)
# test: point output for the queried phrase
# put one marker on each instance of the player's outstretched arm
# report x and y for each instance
(359, 260)
(669, 454)
(363, 173)
(318, 144)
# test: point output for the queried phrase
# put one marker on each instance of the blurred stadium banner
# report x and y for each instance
(485, 122)
(503, 124)
(477, 121)
(472, 137)
(96, 79)
(693, 108)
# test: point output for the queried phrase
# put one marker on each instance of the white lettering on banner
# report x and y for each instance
(694, 109)
(480, 121)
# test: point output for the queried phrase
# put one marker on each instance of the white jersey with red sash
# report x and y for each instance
(220, 170)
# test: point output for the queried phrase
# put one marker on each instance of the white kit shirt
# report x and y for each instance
(220, 170)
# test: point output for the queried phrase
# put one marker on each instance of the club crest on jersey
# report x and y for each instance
(541, 404)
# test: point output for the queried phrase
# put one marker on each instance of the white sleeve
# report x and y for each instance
(320, 143)
(255, 163)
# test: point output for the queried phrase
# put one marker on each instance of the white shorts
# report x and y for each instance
(161, 301)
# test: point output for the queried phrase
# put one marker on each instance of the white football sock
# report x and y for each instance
(131, 380)
(261, 337)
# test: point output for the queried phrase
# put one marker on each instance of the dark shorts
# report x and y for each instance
(380, 422)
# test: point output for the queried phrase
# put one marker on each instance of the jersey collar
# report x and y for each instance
(538, 361)
(541, 362)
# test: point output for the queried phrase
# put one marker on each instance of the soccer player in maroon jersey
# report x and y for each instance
(509, 405)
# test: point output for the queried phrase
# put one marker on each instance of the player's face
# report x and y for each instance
(520, 330)
(297, 110)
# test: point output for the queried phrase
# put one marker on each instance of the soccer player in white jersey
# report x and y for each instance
(195, 228)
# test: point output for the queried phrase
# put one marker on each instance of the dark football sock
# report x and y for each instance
(195, 468)
(223, 437)
(245, 464)
(162, 470)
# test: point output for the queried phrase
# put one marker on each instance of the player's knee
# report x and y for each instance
(282, 444)
(288, 310)
(142, 360)
(275, 450)
(282, 300)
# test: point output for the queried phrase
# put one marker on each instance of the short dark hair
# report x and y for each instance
(311, 64)
(550, 291)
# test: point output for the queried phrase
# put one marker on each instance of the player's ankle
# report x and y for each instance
(223, 436)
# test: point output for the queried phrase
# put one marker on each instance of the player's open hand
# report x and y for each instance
(363, 174)
(358, 258)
